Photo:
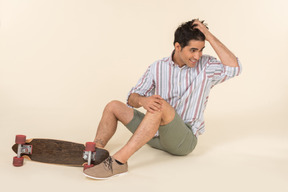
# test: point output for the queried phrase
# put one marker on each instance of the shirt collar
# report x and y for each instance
(171, 62)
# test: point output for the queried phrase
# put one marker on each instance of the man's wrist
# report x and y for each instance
(210, 37)
(135, 100)
(140, 100)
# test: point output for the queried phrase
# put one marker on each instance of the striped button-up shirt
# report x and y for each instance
(186, 89)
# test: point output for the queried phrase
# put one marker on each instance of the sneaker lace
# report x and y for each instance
(108, 163)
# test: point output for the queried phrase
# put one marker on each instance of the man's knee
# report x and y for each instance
(166, 105)
(112, 105)
(167, 113)
(120, 110)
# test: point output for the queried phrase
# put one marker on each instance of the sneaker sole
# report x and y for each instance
(99, 178)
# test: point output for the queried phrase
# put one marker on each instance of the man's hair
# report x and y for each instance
(186, 32)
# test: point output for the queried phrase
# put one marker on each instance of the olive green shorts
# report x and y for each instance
(176, 137)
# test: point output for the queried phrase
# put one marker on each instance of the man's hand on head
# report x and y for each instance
(201, 26)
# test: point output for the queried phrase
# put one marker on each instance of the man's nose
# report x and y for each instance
(197, 55)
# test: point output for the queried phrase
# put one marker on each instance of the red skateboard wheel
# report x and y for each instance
(90, 146)
(20, 139)
(18, 161)
(86, 166)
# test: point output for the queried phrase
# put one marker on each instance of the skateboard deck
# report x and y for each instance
(58, 152)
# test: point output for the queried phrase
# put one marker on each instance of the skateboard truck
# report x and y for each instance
(92, 155)
(89, 154)
(22, 149)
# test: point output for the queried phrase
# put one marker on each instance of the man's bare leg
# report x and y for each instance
(114, 111)
(145, 132)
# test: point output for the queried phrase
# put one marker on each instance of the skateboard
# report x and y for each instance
(57, 152)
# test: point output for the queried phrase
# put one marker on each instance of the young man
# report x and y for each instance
(174, 92)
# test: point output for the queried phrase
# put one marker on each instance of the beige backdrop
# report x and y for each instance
(62, 61)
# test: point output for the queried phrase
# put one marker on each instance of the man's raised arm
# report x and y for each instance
(225, 55)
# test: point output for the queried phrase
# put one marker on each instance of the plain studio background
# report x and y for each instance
(62, 61)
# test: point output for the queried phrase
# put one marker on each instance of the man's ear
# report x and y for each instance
(177, 47)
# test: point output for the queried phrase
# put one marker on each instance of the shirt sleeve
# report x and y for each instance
(219, 73)
(145, 85)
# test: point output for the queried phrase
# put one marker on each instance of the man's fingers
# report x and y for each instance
(152, 110)
(157, 107)
(154, 103)
(158, 97)
(154, 107)
(199, 24)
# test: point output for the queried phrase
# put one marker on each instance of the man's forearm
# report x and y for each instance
(134, 100)
(224, 54)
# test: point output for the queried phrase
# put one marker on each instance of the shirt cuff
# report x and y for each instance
(128, 99)
(233, 71)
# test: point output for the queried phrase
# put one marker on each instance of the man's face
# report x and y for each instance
(190, 54)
